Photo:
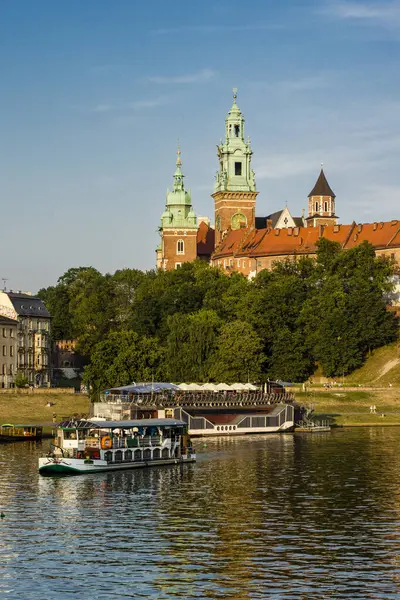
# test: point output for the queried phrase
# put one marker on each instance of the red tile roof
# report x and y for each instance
(302, 240)
(205, 240)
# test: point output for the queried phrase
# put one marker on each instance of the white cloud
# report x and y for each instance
(383, 13)
(200, 77)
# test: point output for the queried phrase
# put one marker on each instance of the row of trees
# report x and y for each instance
(198, 324)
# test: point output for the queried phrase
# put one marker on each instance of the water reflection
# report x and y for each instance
(289, 516)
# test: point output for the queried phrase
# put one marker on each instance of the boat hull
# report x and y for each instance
(74, 466)
(6, 439)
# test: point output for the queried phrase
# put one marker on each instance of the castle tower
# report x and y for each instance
(178, 227)
(235, 187)
(321, 204)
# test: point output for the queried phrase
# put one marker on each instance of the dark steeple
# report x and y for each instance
(322, 187)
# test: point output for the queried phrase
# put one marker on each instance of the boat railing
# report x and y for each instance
(129, 442)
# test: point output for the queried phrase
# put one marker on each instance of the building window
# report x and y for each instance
(11, 350)
(3, 369)
(4, 332)
(326, 207)
(180, 247)
(316, 207)
(237, 130)
(10, 370)
(238, 168)
(178, 265)
(238, 263)
(4, 350)
(12, 333)
(244, 264)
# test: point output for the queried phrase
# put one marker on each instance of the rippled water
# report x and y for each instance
(289, 516)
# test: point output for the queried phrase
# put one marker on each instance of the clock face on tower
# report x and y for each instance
(238, 221)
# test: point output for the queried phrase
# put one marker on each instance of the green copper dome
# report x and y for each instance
(179, 211)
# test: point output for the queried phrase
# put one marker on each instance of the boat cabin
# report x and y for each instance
(123, 441)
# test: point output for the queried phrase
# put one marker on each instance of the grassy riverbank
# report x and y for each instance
(32, 408)
(352, 408)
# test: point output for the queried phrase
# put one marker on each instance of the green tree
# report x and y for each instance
(347, 316)
(238, 355)
(190, 344)
(123, 357)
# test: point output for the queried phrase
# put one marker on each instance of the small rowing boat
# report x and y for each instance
(92, 447)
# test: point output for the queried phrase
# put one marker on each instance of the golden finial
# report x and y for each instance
(178, 154)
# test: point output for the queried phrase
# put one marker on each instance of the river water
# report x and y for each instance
(280, 516)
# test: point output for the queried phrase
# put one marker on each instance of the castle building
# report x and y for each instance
(246, 243)
(183, 238)
(33, 335)
(235, 186)
(8, 351)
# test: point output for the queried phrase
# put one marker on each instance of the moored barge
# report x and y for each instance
(91, 447)
(208, 413)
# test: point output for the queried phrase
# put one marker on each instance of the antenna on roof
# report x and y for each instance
(4, 279)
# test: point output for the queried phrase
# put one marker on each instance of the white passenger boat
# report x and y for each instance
(91, 447)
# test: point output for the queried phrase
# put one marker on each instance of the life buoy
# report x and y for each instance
(106, 442)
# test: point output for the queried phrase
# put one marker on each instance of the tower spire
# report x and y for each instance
(178, 155)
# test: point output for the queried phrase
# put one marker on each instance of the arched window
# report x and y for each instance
(326, 207)
(180, 247)
(316, 207)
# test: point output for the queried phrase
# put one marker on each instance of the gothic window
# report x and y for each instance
(326, 207)
(237, 130)
(238, 168)
(180, 247)
(316, 207)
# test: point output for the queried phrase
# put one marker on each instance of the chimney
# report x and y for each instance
(269, 223)
(296, 231)
(289, 230)
(336, 228)
(277, 231)
(359, 227)
(375, 227)
(320, 231)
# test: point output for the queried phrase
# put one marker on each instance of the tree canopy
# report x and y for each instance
(198, 324)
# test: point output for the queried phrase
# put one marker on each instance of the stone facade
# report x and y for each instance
(177, 246)
(8, 351)
(33, 335)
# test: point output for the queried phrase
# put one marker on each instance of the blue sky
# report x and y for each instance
(95, 94)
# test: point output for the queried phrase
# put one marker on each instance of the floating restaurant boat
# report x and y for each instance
(91, 447)
(206, 411)
(19, 433)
